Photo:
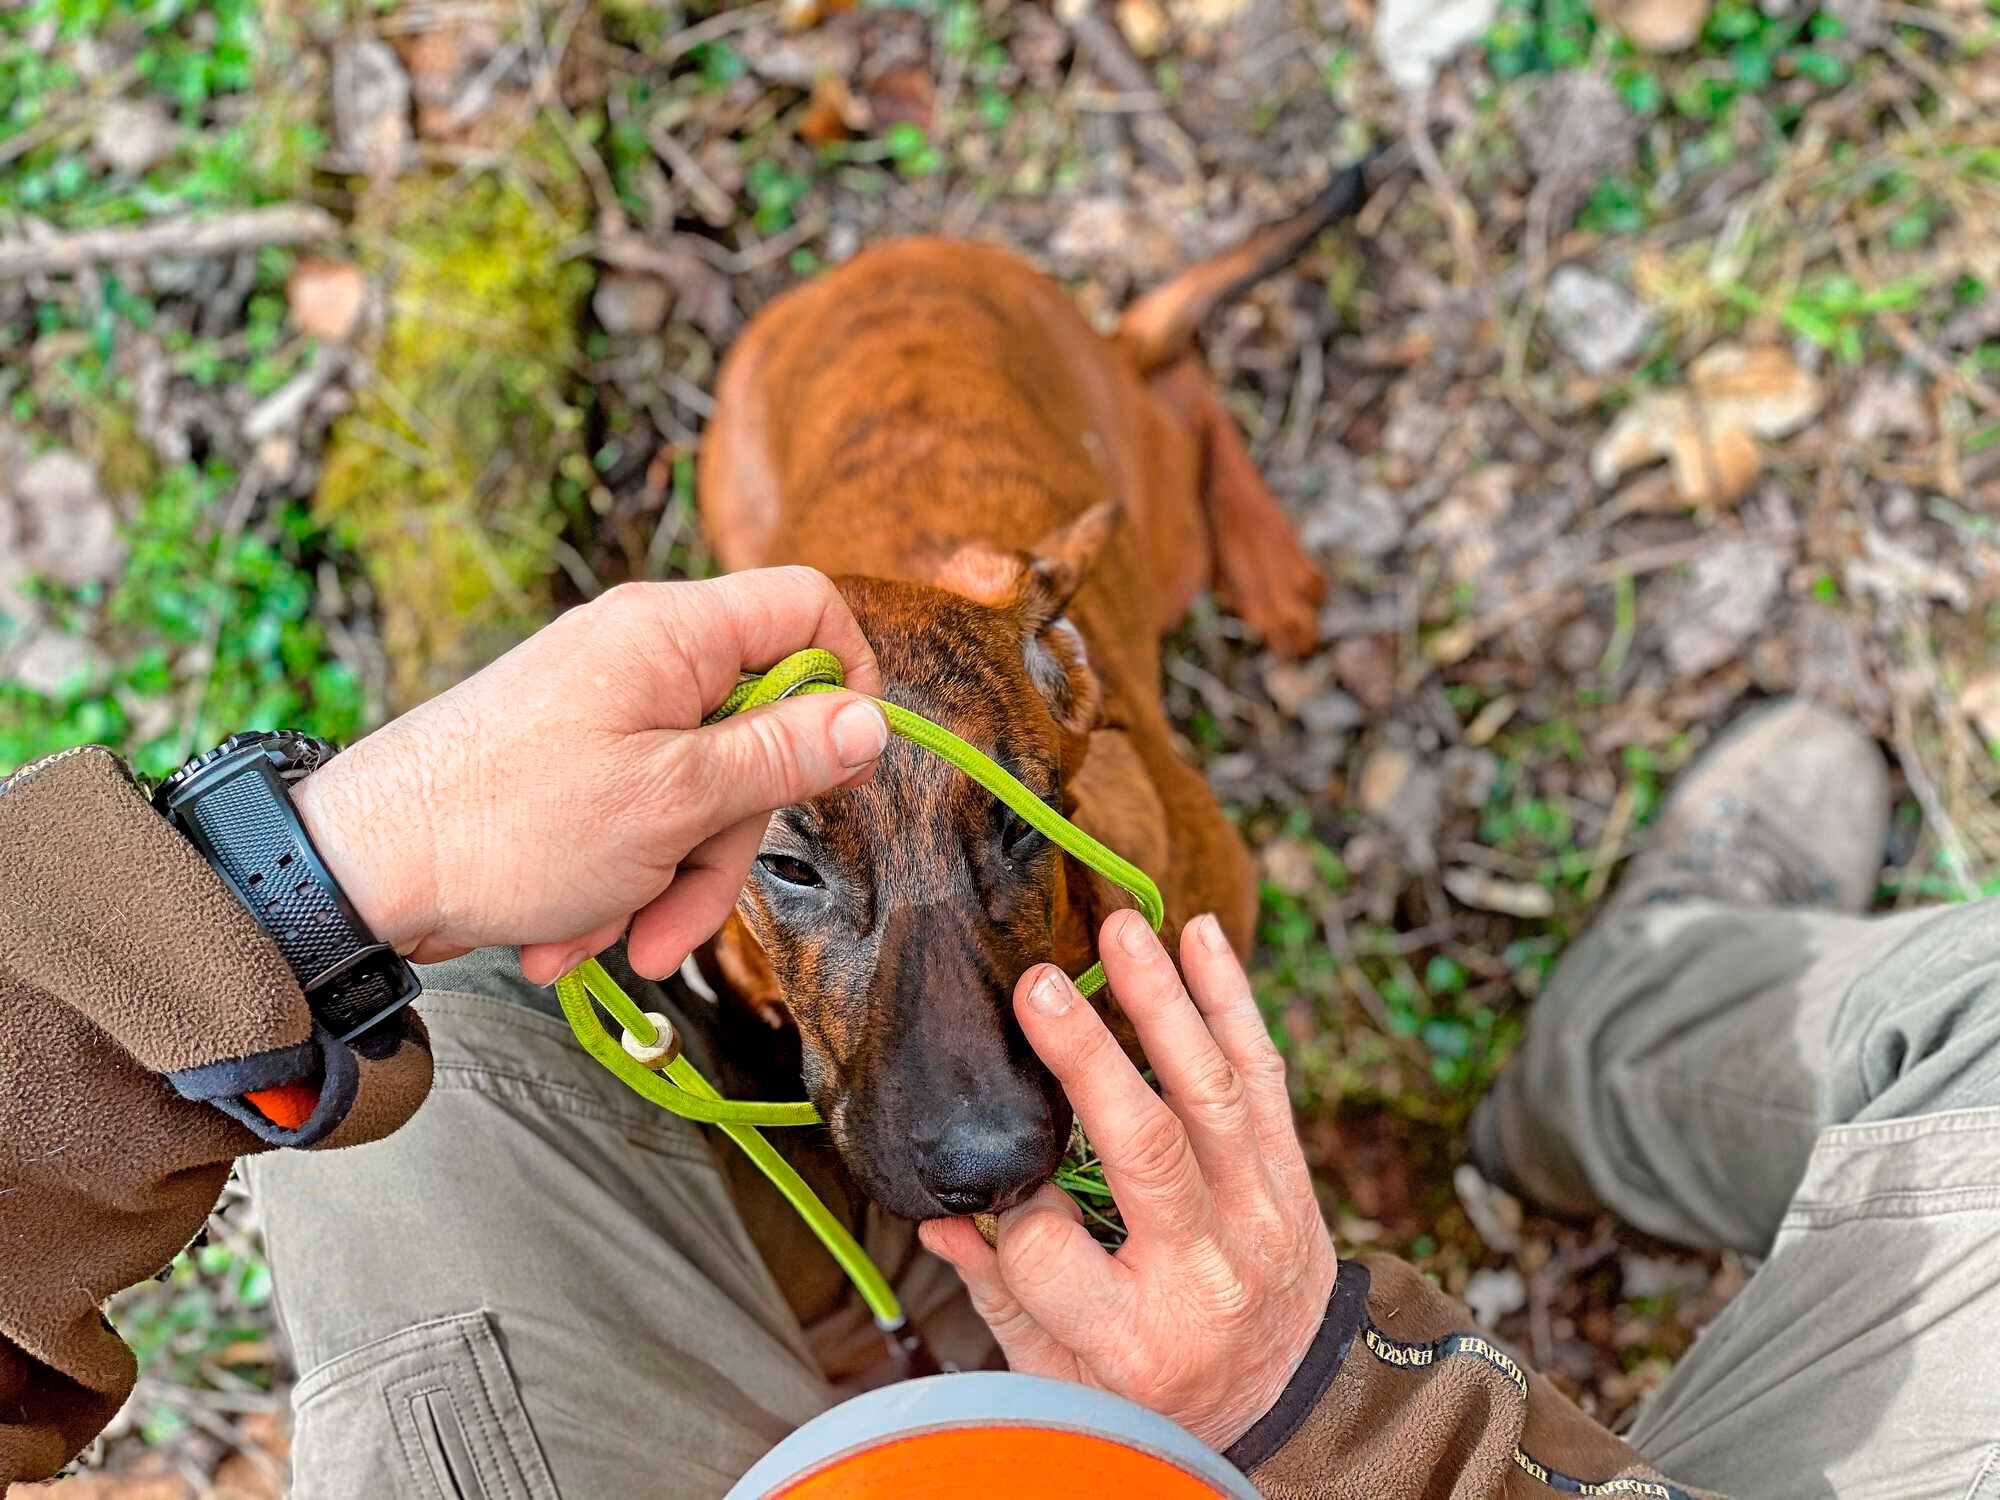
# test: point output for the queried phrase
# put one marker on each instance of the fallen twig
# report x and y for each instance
(168, 239)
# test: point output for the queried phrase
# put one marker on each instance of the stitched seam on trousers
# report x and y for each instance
(445, 1336)
(1990, 1469)
(1977, 1120)
(417, 1463)
(474, 1433)
(677, 1140)
(493, 1411)
(481, 1431)
(1915, 1203)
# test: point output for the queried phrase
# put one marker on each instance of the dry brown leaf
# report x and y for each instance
(833, 115)
(902, 95)
(1145, 26)
(1762, 389)
(1709, 432)
(326, 298)
(1657, 25)
(1713, 464)
(1981, 702)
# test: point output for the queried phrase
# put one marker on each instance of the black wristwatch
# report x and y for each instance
(232, 804)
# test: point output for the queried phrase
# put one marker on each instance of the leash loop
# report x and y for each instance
(648, 1058)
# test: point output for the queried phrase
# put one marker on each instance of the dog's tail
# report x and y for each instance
(1158, 328)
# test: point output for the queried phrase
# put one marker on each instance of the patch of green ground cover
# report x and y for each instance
(210, 625)
(211, 1307)
(245, 601)
(464, 457)
(198, 61)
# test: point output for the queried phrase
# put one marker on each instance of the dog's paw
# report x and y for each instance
(1276, 589)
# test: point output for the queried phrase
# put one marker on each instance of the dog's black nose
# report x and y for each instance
(979, 1166)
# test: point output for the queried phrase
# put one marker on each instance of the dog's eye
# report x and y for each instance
(1017, 835)
(791, 871)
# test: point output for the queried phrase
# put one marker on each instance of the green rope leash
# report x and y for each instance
(678, 1087)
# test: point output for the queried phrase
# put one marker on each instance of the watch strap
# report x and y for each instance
(234, 808)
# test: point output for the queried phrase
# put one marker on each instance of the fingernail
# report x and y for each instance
(1134, 936)
(860, 733)
(1050, 994)
(1209, 930)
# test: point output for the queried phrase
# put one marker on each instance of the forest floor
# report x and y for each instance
(435, 361)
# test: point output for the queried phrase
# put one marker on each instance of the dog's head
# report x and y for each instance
(891, 920)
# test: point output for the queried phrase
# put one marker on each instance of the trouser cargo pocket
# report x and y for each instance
(429, 1412)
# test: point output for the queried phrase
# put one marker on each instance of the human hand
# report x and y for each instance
(569, 790)
(1209, 1307)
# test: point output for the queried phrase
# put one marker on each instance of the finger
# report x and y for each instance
(692, 910)
(545, 963)
(1061, 1277)
(1199, 1082)
(750, 621)
(1150, 1165)
(757, 762)
(1027, 1345)
(1222, 993)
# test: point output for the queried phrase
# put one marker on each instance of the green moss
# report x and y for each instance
(453, 471)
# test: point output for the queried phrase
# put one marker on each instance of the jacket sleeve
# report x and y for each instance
(1398, 1399)
(139, 1005)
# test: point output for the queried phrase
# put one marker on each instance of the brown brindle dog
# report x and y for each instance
(1017, 509)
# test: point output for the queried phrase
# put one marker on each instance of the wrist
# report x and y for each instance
(367, 848)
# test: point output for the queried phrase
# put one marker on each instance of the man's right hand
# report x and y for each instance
(569, 791)
(1210, 1306)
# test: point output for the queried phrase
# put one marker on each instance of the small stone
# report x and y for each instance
(1366, 667)
(1292, 865)
(132, 138)
(1293, 684)
(628, 303)
(1596, 320)
(1101, 230)
(1405, 796)
(326, 298)
(1470, 775)
(1413, 38)
(68, 531)
(371, 106)
(1492, 1294)
(1888, 406)
(1331, 713)
(1650, 1276)
(54, 664)
(1580, 646)
(1352, 517)
(1728, 597)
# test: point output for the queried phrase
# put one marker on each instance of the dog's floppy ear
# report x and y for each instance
(748, 971)
(1057, 663)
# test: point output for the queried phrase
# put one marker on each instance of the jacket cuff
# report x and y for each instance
(1346, 1312)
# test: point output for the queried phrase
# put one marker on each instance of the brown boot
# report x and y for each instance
(1789, 808)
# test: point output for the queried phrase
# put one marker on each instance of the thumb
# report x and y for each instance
(758, 762)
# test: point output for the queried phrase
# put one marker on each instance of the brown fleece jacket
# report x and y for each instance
(131, 981)
(123, 960)
(1420, 1406)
